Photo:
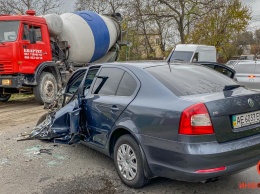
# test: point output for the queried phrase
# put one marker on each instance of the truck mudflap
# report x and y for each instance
(61, 126)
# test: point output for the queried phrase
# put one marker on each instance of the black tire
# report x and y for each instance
(139, 179)
(47, 88)
(41, 119)
(4, 97)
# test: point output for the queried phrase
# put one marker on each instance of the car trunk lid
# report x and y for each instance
(229, 112)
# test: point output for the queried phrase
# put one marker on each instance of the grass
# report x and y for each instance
(21, 97)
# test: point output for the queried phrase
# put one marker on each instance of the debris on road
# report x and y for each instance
(45, 151)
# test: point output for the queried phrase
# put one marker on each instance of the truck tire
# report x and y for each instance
(46, 90)
(4, 97)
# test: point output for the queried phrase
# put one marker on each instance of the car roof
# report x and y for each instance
(207, 63)
(138, 64)
(146, 64)
(249, 62)
(239, 60)
(143, 64)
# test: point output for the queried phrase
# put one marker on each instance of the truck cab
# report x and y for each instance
(193, 53)
(39, 53)
(24, 44)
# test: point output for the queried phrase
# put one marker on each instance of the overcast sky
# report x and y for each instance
(255, 7)
(68, 5)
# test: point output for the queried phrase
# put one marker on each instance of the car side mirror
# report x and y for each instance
(32, 35)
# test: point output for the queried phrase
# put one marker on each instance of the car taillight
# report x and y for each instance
(195, 120)
(211, 170)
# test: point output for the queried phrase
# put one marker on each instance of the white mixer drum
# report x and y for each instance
(89, 35)
(54, 23)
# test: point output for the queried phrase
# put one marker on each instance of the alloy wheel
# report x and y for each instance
(127, 161)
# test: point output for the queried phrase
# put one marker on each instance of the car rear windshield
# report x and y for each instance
(185, 80)
(231, 63)
(245, 67)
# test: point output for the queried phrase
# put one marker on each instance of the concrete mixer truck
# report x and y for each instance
(38, 53)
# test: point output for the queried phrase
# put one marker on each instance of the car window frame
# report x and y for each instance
(125, 69)
(97, 77)
(67, 97)
(125, 72)
(80, 89)
(208, 64)
(83, 74)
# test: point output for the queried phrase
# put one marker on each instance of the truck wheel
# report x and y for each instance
(47, 88)
(4, 97)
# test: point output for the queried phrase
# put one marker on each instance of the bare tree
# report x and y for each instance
(100, 6)
(186, 12)
(155, 32)
(170, 21)
(163, 26)
(224, 28)
(21, 6)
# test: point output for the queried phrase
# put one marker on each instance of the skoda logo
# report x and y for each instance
(250, 102)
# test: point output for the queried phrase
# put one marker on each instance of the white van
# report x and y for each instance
(193, 53)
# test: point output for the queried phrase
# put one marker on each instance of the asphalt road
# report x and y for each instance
(77, 169)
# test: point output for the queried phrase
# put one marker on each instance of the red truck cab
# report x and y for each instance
(24, 46)
(32, 59)
(17, 54)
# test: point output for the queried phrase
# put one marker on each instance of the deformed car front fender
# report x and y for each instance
(61, 126)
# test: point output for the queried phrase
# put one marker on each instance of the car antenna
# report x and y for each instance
(168, 62)
(169, 59)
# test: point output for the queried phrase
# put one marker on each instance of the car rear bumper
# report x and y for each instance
(180, 161)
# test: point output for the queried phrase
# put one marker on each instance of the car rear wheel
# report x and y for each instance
(4, 97)
(129, 162)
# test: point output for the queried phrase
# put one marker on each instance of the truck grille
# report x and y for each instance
(6, 68)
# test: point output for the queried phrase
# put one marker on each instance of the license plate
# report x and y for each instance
(246, 119)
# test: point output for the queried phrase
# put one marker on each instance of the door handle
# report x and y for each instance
(45, 53)
(114, 108)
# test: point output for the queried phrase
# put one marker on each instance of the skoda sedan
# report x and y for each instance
(181, 121)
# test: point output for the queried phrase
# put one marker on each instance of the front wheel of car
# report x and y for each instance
(129, 162)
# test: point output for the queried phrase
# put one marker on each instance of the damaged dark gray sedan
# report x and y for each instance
(181, 121)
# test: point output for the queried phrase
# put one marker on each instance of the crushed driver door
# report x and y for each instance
(63, 125)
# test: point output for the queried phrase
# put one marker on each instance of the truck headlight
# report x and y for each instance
(6, 82)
